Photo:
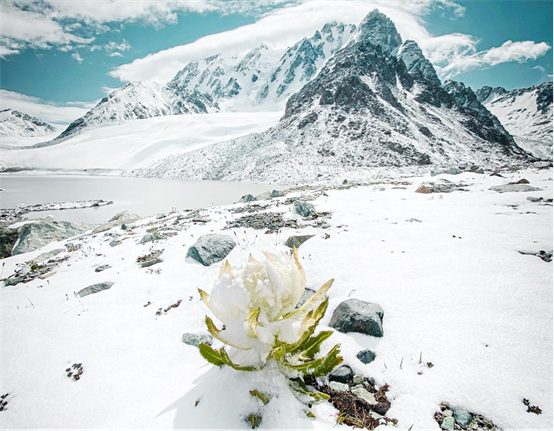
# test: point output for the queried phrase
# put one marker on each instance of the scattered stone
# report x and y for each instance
(124, 217)
(35, 235)
(477, 170)
(366, 356)
(412, 220)
(357, 380)
(271, 221)
(211, 248)
(514, 188)
(160, 216)
(95, 288)
(339, 387)
(342, 374)
(114, 243)
(544, 255)
(45, 256)
(462, 416)
(151, 237)
(150, 259)
(102, 268)
(195, 339)
(248, 198)
(297, 240)
(522, 181)
(364, 395)
(447, 413)
(305, 296)
(354, 315)
(534, 199)
(448, 423)
(277, 194)
(304, 209)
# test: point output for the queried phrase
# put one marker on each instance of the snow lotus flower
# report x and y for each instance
(256, 303)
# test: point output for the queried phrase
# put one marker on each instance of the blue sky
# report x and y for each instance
(64, 56)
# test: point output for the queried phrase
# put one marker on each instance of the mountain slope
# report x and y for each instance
(136, 101)
(364, 109)
(526, 113)
(16, 124)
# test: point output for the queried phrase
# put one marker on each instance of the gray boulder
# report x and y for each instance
(305, 209)
(95, 288)
(462, 416)
(8, 238)
(196, 340)
(102, 268)
(45, 256)
(354, 315)
(33, 236)
(277, 194)
(509, 188)
(366, 356)
(124, 217)
(297, 240)
(151, 237)
(211, 248)
(448, 423)
(248, 198)
(342, 374)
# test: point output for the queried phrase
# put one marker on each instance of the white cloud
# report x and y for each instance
(77, 57)
(46, 111)
(115, 54)
(509, 51)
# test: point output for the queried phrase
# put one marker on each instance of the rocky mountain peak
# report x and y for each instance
(416, 63)
(488, 94)
(378, 29)
(15, 123)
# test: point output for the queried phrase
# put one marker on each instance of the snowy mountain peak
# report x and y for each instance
(16, 124)
(526, 113)
(378, 29)
(487, 94)
(416, 63)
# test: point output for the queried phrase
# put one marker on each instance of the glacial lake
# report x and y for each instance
(143, 196)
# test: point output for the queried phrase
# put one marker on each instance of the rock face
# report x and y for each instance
(354, 315)
(95, 288)
(365, 108)
(15, 124)
(37, 234)
(526, 113)
(210, 249)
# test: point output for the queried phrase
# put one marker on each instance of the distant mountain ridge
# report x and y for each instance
(16, 124)
(367, 107)
(526, 113)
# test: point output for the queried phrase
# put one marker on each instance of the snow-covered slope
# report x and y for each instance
(139, 100)
(265, 77)
(526, 113)
(16, 124)
(455, 291)
(364, 109)
(138, 142)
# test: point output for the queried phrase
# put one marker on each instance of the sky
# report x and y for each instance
(57, 59)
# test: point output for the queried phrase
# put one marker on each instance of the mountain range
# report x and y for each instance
(353, 97)
(16, 124)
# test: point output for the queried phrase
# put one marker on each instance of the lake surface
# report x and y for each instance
(143, 196)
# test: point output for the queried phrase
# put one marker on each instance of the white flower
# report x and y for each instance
(256, 303)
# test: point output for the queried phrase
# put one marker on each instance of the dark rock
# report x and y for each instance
(534, 199)
(211, 248)
(95, 288)
(102, 268)
(297, 240)
(354, 315)
(304, 209)
(522, 181)
(366, 356)
(248, 198)
(277, 194)
(195, 339)
(342, 374)
(270, 221)
(8, 238)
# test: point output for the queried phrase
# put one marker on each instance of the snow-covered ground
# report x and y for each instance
(446, 269)
(137, 143)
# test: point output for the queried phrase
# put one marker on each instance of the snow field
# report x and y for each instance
(454, 289)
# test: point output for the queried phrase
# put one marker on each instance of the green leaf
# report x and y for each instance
(310, 414)
(311, 346)
(300, 387)
(329, 363)
(211, 355)
(227, 361)
(264, 398)
(308, 367)
(310, 303)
